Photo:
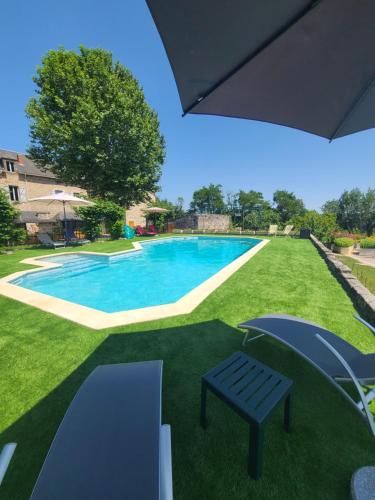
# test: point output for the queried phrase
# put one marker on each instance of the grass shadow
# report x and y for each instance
(212, 464)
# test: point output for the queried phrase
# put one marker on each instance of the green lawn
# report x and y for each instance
(365, 274)
(44, 359)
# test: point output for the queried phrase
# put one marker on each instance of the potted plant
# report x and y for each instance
(367, 247)
(343, 246)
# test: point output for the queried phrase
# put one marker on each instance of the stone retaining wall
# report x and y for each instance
(362, 297)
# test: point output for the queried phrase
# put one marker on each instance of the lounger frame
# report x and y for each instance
(365, 398)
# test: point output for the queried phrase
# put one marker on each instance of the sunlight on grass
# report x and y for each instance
(45, 359)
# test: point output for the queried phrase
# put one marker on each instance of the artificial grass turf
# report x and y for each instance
(44, 360)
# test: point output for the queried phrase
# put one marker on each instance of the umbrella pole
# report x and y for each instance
(65, 229)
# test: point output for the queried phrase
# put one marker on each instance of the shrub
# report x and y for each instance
(92, 229)
(367, 243)
(321, 225)
(261, 219)
(343, 242)
(19, 236)
(116, 230)
(10, 234)
(93, 216)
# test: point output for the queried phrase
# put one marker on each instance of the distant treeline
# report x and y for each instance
(354, 211)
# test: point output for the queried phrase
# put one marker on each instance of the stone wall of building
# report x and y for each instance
(136, 215)
(32, 182)
(204, 222)
(37, 215)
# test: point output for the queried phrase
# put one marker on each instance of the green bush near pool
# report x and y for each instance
(343, 242)
(367, 243)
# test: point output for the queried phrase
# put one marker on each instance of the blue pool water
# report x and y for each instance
(161, 273)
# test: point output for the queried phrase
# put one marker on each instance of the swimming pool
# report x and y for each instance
(161, 273)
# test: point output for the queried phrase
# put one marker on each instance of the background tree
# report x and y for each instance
(369, 212)
(91, 125)
(232, 206)
(208, 199)
(9, 232)
(250, 200)
(355, 210)
(251, 204)
(287, 205)
(350, 210)
(261, 219)
(176, 210)
(321, 225)
(331, 207)
(101, 212)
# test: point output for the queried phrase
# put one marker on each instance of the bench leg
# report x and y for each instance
(256, 438)
(203, 418)
(287, 411)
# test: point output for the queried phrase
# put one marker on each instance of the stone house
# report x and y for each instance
(22, 180)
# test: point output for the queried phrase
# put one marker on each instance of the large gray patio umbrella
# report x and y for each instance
(303, 64)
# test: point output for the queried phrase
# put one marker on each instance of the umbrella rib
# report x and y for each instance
(251, 56)
(366, 89)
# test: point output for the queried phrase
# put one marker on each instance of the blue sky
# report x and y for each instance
(200, 149)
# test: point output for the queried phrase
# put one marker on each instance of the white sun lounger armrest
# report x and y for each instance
(358, 386)
(166, 487)
(5, 458)
(364, 322)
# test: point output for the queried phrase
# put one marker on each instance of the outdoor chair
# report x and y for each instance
(272, 230)
(111, 443)
(335, 358)
(71, 237)
(287, 230)
(46, 240)
(139, 231)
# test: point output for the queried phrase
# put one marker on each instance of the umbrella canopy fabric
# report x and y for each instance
(305, 64)
(156, 210)
(63, 198)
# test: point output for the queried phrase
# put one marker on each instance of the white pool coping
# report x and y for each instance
(93, 318)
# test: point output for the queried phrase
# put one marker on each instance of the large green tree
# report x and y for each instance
(208, 199)
(287, 205)
(91, 125)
